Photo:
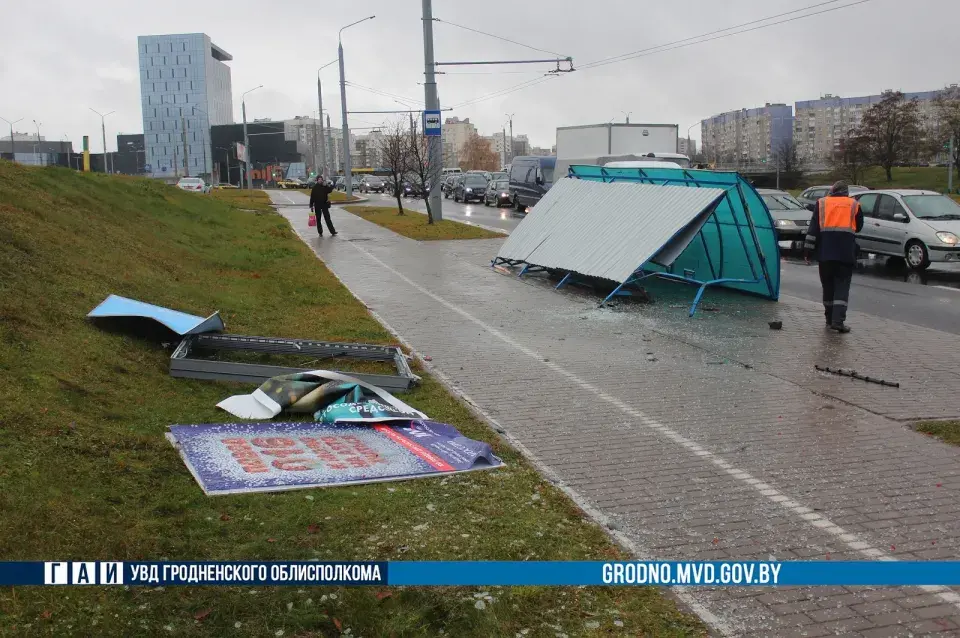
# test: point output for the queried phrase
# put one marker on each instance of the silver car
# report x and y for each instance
(916, 225)
(790, 217)
(813, 193)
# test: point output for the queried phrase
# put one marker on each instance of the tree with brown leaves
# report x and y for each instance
(478, 155)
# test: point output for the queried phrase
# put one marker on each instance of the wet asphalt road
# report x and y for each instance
(930, 299)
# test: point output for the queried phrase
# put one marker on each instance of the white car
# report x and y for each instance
(916, 225)
(193, 185)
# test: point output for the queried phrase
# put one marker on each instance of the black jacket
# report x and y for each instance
(320, 195)
(832, 246)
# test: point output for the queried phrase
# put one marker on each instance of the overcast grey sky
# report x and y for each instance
(59, 57)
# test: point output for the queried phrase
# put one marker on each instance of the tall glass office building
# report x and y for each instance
(184, 89)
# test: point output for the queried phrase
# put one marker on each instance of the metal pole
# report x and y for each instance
(347, 176)
(323, 150)
(245, 177)
(510, 118)
(39, 156)
(331, 160)
(503, 142)
(950, 165)
(432, 101)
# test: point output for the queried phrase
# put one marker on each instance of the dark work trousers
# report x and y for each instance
(326, 217)
(835, 277)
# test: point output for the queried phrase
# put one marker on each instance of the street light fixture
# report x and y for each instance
(103, 131)
(688, 135)
(347, 181)
(245, 182)
(12, 143)
(627, 114)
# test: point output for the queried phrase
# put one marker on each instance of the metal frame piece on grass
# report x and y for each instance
(183, 365)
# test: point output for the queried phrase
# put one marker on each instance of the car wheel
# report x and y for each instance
(456, 198)
(916, 254)
(517, 206)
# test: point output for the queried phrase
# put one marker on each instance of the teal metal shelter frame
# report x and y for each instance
(735, 248)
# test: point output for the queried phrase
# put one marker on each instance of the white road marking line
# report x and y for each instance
(807, 514)
(945, 288)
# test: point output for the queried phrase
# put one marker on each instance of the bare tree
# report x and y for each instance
(852, 158)
(891, 130)
(478, 155)
(394, 147)
(789, 162)
(418, 154)
(947, 108)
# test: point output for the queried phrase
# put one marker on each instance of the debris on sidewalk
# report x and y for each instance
(776, 325)
(856, 375)
(331, 396)
(150, 321)
(236, 458)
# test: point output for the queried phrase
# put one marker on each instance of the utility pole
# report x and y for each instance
(950, 165)
(103, 131)
(432, 101)
(176, 162)
(503, 142)
(13, 150)
(245, 177)
(323, 136)
(510, 116)
(347, 175)
(39, 155)
(331, 160)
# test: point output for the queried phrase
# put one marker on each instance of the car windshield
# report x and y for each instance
(502, 184)
(781, 202)
(474, 181)
(932, 206)
(374, 180)
(547, 174)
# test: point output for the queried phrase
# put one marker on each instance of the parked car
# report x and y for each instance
(813, 193)
(917, 226)
(411, 189)
(448, 184)
(293, 182)
(790, 217)
(371, 184)
(224, 185)
(193, 185)
(340, 184)
(471, 186)
(530, 178)
(497, 193)
(499, 175)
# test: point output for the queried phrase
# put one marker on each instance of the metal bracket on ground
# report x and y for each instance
(183, 365)
(856, 375)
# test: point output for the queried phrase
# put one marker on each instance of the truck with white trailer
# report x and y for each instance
(592, 143)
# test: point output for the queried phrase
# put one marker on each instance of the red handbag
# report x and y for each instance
(312, 219)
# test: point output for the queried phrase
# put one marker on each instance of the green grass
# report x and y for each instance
(925, 177)
(414, 225)
(85, 472)
(946, 431)
(253, 199)
(339, 197)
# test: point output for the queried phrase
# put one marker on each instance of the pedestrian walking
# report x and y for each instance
(320, 202)
(831, 236)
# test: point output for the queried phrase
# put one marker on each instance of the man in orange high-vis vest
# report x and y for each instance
(831, 235)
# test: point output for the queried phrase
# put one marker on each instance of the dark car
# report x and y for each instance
(411, 189)
(812, 194)
(470, 187)
(790, 217)
(448, 184)
(497, 193)
(530, 178)
(372, 184)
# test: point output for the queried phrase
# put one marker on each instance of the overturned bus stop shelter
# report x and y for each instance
(625, 225)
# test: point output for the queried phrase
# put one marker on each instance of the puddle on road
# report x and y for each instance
(891, 269)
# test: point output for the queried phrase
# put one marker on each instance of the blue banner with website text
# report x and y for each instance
(485, 573)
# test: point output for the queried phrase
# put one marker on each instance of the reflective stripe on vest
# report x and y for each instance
(838, 214)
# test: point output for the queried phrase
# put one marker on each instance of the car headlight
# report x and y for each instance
(504, 194)
(948, 238)
(469, 190)
(780, 223)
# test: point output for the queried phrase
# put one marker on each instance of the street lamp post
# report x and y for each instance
(39, 156)
(688, 135)
(103, 131)
(347, 180)
(626, 115)
(245, 177)
(323, 134)
(12, 143)
(204, 131)
(510, 119)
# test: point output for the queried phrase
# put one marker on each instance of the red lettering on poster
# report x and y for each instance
(283, 452)
(292, 465)
(245, 456)
(416, 448)
(274, 442)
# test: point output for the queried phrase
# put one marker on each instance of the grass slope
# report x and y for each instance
(414, 225)
(946, 431)
(87, 475)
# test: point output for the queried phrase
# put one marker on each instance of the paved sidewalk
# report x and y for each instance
(727, 445)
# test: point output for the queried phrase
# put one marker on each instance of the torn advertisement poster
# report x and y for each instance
(235, 458)
(332, 396)
(137, 317)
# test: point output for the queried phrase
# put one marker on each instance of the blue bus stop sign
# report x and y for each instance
(431, 123)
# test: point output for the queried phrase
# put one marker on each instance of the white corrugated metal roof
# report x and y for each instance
(608, 230)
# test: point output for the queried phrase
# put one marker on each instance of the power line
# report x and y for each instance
(679, 44)
(383, 93)
(502, 92)
(454, 24)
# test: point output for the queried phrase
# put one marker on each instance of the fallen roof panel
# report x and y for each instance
(608, 230)
(116, 307)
